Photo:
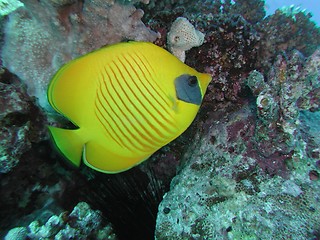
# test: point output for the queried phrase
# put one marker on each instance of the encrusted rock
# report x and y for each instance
(81, 223)
(17, 128)
(40, 38)
(8, 6)
(18, 233)
(292, 85)
(221, 191)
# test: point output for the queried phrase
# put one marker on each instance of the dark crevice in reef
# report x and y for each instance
(128, 200)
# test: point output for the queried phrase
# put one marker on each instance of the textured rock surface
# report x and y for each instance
(8, 6)
(81, 223)
(292, 86)
(44, 36)
(252, 170)
(222, 193)
(20, 121)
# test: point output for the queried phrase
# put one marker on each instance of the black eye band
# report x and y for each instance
(188, 89)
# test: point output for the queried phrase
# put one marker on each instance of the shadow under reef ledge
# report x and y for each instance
(42, 185)
(35, 189)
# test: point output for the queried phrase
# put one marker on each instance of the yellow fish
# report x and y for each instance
(128, 100)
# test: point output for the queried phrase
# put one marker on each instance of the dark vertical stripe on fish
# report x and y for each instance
(143, 62)
(143, 105)
(146, 135)
(116, 101)
(166, 109)
(109, 134)
(135, 105)
(98, 107)
(115, 124)
(120, 124)
(136, 108)
(151, 79)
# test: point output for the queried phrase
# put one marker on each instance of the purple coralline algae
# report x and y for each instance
(231, 52)
(238, 39)
(47, 34)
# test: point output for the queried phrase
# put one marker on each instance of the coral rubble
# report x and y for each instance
(81, 223)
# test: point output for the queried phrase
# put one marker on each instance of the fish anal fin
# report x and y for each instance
(69, 143)
(102, 160)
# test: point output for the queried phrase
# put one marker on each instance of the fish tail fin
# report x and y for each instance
(69, 143)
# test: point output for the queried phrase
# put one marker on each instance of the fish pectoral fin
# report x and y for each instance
(69, 143)
(103, 160)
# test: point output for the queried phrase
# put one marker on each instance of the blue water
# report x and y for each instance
(312, 6)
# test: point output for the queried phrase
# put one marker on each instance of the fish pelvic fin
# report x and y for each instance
(69, 143)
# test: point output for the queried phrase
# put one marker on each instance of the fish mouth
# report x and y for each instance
(204, 79)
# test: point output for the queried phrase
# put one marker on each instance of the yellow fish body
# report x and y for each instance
(128, 100)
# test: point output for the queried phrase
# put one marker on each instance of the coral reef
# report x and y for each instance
(296, 31)
(20, 121)
(81, 223)
(45, 35)
(250, 155)
(230, 52)
(222, 192)
(129, 200)
(18, 233)
(182, 37)
(292, 86)
(39, 38)
(35, 188)
(230, 47)
(7, 7)
(238, 39)
(43, 185)
(247, 168)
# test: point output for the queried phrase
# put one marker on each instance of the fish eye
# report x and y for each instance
(192, 81)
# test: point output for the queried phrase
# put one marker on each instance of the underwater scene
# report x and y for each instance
(149, 119)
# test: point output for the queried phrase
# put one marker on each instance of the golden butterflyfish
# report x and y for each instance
(128, 100)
